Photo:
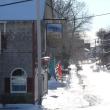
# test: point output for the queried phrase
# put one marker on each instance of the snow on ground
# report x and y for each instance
(88, 90)
(85, 90)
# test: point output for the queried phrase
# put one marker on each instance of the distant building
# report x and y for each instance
(87, 45)
(105, 45)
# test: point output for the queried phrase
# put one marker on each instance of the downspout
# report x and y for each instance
(33, 59)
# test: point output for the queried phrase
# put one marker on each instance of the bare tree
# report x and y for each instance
(75, 12)
(101, 33)
(104, 45)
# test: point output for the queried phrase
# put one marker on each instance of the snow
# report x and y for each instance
(85, 90)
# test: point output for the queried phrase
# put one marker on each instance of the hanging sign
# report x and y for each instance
(54, 27)
(54, 30)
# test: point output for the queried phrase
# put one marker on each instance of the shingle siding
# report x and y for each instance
(18, 53)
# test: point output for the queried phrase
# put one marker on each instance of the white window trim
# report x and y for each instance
(11, 81)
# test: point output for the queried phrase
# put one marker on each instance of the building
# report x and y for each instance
(20, 82)
(105, 47)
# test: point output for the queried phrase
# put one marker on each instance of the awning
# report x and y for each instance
(21, 9)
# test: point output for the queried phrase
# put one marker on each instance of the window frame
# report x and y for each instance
(11, 81)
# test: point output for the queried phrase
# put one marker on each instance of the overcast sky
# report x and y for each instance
(97, 7)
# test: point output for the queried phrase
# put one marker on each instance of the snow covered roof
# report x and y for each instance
(20, 9)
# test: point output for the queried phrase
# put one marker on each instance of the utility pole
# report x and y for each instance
(39, 52)
(102, 48)
(95, 51)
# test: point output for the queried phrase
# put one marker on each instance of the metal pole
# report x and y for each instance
(4, 27)
(39, 51)
(45, 39)
(95, 51)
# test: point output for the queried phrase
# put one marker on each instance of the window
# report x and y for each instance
(3, 41)
(0, 42)
(18, 81)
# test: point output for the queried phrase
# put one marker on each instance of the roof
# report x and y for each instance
(21, 9)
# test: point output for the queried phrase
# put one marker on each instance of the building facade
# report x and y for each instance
(18, 61)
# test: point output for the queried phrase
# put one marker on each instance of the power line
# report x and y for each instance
(94, 16)
(81, 17)
(13, 3)
(22, 1)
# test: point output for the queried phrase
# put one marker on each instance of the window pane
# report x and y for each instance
(18, 88)
(19, 80)
(18, 72)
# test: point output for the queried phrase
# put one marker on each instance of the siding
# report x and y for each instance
(30, 85)
(7, 85)
(18, 50)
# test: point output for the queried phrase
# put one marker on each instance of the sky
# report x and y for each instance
(21, 9)
(97, 7)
